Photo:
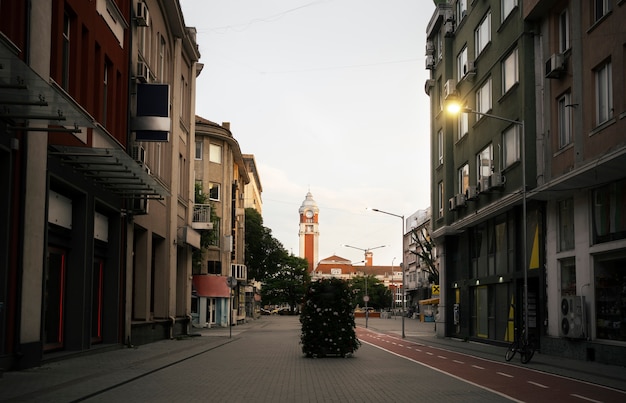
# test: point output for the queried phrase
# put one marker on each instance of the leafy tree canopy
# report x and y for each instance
(264, 253)
(380, 296)
(288, 284)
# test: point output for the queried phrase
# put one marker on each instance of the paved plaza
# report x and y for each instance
(262, 361)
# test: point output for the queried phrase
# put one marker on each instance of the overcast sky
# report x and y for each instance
(329, 97)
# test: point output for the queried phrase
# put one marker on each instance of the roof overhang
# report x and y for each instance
(26, 97)
(112, 169)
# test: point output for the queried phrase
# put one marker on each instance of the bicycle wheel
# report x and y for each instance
(527, 352)
(510, 352)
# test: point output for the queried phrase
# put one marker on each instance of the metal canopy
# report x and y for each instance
(25, 97)
(113, 169)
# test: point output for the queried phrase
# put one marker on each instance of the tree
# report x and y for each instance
(288, 284)
(380, 296)
(263, 252)
(424, 250)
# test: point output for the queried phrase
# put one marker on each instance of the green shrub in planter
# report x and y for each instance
(327, 320)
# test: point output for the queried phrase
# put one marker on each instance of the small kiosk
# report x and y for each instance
(428, 309)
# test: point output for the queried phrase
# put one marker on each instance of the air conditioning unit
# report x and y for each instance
(471, 193)
(471, 69)
(555, 66)
(449, 89)
(572, 317)
(430, 47)
(143, 72)
(143, 16)
(459, 200)
(483, 184)
(452, 204)
(139, 154)
(448, 15)
(430, 62)
(496, 180)
(428, 85)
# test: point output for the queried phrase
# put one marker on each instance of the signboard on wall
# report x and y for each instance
(152, 122)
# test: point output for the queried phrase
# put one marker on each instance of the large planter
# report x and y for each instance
(328, 327)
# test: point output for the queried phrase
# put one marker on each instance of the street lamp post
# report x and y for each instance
(455, 109)
(401, 217)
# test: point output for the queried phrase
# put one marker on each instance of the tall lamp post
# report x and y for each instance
(401, 217)
(455, 108)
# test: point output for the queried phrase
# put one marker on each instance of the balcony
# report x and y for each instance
(239, 272)
(202, 217)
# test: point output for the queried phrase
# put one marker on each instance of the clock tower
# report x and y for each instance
(309, 231)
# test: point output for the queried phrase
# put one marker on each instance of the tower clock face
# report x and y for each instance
(309, 214)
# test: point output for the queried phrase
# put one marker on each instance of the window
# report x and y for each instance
(463, 125)
(483, 98)
(600, 9)
(564, 120)
(199, 147)
(461, 10)
(440, 201)
(511, 145)
(568, 276)
(483, 34)
(463, 178)
(566, 224)
(510, 73)
(65, 79)
(461, 64)
(440, 93)
(214, 191)
(484, 162)
(215, 153)
(609, 211)
(162, 60)
(438, 46)
(507, 7)
(105, 87)
(563, 31)
(440, 146)
(604, 94)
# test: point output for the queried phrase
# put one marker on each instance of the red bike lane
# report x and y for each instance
(517, 383)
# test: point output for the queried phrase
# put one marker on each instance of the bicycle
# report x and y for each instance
(523, 344)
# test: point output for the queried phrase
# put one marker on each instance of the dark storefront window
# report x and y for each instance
(54, 299)
(610, 281)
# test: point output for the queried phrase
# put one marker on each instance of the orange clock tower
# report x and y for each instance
(309, 231)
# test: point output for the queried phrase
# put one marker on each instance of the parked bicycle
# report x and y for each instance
(522, 344)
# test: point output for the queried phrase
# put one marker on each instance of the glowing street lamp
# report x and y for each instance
(455, 108)
(401, 264)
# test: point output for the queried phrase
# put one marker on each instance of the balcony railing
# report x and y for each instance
(239, 271)
(202, 217)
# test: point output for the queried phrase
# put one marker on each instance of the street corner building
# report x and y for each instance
(96, 157)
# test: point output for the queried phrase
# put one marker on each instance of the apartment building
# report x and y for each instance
(475, 51)
(417, 281)
(253, 191)
(83, 266)
(162, 109)
(527, 194)
(580, 64)
(220, 173)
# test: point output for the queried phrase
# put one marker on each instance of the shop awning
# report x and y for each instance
(113, 169)
(211, 286)
(430, 301)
